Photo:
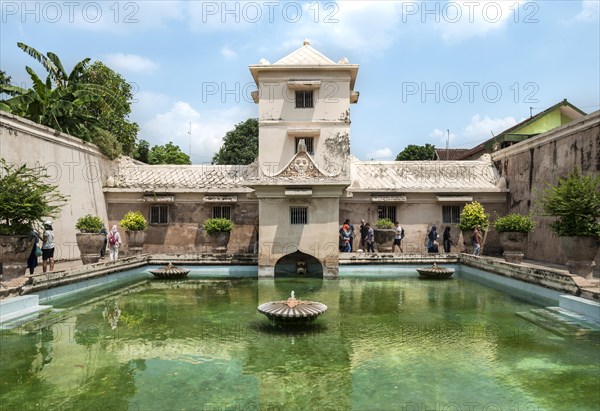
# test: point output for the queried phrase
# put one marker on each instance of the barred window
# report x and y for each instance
(159, 214)
(304, 99)
(450, 214)
(223, 211)
(387, 211)
(309, 141)
(299, 215)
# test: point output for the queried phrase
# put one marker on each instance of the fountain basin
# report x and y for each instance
(292, 310)
(435, 272)
(170, 271)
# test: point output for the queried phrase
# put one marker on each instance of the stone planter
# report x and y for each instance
(14, 252)
(90, 245)
(135, 241)
(580, 252)
(514, 246)
(468, 241)
(219, 241)
(384, 239)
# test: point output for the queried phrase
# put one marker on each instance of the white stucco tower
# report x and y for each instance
(303, 162)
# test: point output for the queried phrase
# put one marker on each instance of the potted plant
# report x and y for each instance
(471, 216)
(135, 230)
(90, 240)
(384, 234)
(25, 200)
(219, 230)
(513, 230)
(575, 200)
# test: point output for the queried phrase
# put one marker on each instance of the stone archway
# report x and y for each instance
(298, 264)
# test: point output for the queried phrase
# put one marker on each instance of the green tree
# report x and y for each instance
(414, 152)
(112, 111)
(240, 145)
(141, 151)
(4, 79)
(167, 154)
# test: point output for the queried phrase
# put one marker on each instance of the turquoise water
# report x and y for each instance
(384, 344)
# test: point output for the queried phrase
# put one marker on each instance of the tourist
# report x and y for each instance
(345, 232)
(48, 247)
(103, 249)
(397, 237)
(364, 232)
(477, 239)
(447, 240)
(114, 242)
(351, 231)
(370, 238)
(32, 261)
(432, 240)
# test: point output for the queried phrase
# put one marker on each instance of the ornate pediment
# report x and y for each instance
(302, 166)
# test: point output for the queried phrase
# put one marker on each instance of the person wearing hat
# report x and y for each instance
(48, 247)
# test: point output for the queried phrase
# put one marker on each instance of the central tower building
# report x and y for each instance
(303, 159)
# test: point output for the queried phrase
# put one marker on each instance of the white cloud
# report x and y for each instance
(483, 128)
(228, 53)
(207, 128)
(442, 137)
(460, 20)
(381, 154)
(130, 63)
(590, 11)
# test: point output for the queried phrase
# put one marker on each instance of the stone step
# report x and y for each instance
(18, 308)
(563, 322)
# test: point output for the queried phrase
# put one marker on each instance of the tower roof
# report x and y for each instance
(305, 56)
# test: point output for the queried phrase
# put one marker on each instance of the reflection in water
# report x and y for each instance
(383, 344)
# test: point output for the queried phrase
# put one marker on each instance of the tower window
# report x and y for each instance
(309, 141)
(304, 99)
(299, 215)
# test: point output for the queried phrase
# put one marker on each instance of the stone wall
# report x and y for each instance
(78, 169)
(529, 165)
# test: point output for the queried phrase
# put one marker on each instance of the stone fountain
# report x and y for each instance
(435, 272)
(170, 271)
(292, 311)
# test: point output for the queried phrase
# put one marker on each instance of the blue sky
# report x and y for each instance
(471, 67)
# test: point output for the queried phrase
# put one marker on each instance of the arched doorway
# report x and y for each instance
(300, 265)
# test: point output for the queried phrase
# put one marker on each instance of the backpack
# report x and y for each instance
(401, 232)
(112, 239)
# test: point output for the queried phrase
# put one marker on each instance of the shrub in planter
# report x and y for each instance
(135, 230)
(89, 239)
(384, 234)
(513, 230)
(25, 200)
(472, 215)
(219, 230)
(575, 200)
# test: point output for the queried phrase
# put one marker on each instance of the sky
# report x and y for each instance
(446, 72)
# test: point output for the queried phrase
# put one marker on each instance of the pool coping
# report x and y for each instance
(544, 276)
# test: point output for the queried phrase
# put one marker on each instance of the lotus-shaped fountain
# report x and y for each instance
(170, 271)
(292, 311)
(435, 272)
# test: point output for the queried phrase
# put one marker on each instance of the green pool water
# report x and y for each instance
(384, 344)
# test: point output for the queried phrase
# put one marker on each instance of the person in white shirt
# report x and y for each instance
(397, 238)
(114, 242)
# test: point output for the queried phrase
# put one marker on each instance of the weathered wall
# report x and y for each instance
(417, 214)
(530, 165)
(184, 232)
(78, 169)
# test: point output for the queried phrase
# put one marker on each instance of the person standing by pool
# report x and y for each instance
(32, 261)
(397, 237)
(48, 247)
(447, 240)
(370, 238)
(364, 232)
(103, 249)
(345, 232)
(431, 239)
(114, 242)
(477, 239)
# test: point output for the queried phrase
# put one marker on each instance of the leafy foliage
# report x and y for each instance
(90, 103)
(515, 222)
(576, 202)
(142, 151)
(4, 79)
(473, 215)
(89, 224)
(218, 225)
(134, 221)
(414, 152)
(167, 154)
(384, 223)
(240, 145)
(25, 198)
